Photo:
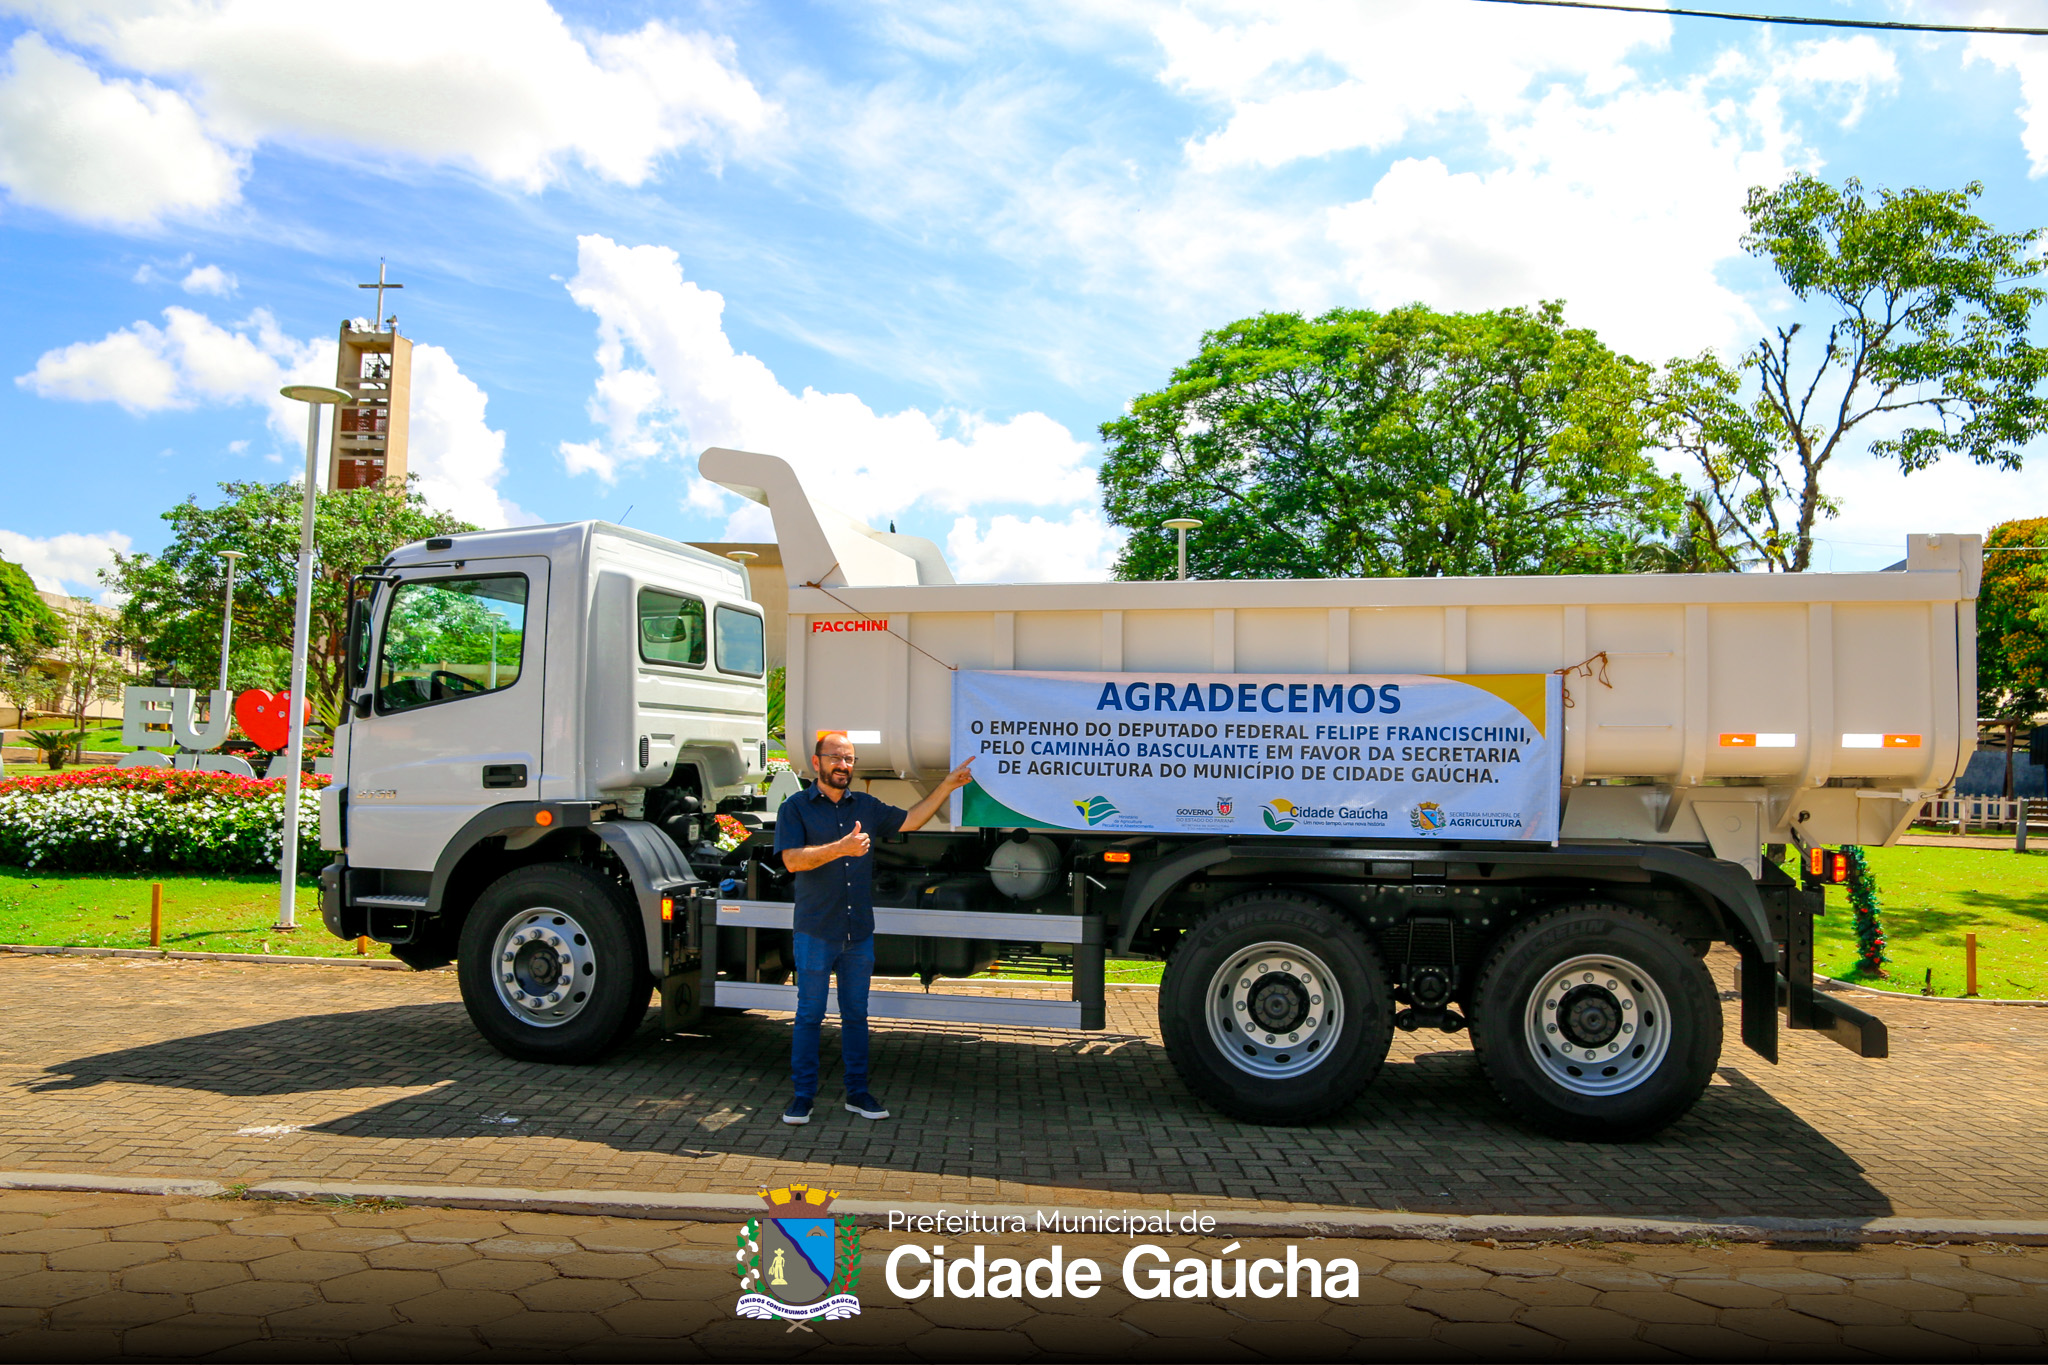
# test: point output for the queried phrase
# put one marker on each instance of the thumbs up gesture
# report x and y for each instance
(855, 844)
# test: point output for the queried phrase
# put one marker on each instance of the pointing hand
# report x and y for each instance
(855, 844)
(959, 777)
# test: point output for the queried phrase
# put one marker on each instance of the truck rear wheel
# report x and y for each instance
(1596, 1023)
(548, 969)
(1275, 1009)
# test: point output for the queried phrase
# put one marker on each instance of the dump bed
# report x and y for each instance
(1816, 707)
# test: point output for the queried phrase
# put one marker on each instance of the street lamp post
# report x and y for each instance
(313, 396)
(1183, 525)
(227, 615)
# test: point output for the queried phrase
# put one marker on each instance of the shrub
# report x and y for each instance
(52, 744)
(92, 819)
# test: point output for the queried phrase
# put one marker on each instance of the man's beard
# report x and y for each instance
(841, 778)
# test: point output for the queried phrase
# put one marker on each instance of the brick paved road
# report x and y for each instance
(97, 1276)
(149, 1068)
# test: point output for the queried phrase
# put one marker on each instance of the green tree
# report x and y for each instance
(2012, 621)
(1412, 442)
(28, 628)
(1927, 341)
(173, 606)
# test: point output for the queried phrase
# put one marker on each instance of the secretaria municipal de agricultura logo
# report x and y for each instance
(1096, 809)
(1428, 817)
(1278, 814)
(798, 1263)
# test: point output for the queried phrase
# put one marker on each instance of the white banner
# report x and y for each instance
(1378, 756)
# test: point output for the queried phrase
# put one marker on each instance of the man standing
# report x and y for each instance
(824, 835)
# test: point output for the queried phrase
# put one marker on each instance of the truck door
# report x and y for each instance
(455, 708)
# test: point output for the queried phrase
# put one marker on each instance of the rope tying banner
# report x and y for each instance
(1584, 668)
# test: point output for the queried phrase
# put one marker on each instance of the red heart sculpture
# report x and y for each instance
(266, 717)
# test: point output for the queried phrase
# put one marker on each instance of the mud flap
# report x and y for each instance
(681, 1003)
(1760, 985)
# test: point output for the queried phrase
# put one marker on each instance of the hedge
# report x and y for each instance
(141, 819)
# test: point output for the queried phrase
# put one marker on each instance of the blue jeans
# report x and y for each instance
(817, 961)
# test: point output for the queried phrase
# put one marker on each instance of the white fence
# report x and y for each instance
(1964, 813)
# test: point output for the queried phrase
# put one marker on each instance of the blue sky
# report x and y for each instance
(922, 250)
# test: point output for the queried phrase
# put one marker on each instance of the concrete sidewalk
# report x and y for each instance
(95, 1276)
(256, 1073)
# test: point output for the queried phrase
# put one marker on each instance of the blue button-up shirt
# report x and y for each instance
(837, 901)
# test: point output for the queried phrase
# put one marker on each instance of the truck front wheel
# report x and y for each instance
(1596, 1023)
(548, 970)
(1275, 1009)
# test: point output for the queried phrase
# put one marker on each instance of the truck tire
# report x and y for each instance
(549, 969)
(1597, 1023)
(1276, 1009)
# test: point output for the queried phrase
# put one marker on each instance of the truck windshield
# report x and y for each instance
(451, 637)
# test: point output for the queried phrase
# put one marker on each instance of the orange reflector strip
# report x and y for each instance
(543, 817)
(1902, 741)
(1816, 861)
(1738, 741)
(668, 908)
(1116, 855)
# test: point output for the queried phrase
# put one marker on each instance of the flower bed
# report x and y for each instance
(142, 818)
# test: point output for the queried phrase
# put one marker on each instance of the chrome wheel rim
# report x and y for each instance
(544, 967)
(1598, 1024)
(1275, 1009)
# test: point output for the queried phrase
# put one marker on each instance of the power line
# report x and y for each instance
(1795, 19)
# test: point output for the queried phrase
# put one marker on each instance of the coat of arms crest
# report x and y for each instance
(798, 1262)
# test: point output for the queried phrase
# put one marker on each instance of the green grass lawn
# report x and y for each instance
(1928, 898)
(203, 913)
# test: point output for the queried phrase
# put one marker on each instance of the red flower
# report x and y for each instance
(176, 784)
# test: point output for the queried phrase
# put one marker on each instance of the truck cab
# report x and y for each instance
(583, 698)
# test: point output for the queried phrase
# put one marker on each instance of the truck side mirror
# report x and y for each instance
(361, 704)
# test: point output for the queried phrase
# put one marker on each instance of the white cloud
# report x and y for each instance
(2028, 59)
(210, 279)
(459, 459)
(1622, 208)
(188, 362)
(113, 151)
(671, 381)
(69, 562)
(506, 87)
(1533, 159)
(1080, 549)
(192, 361)
(1849, 69)
(1881, 506)
(1307, 80)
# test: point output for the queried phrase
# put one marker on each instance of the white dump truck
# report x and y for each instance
(1334, 808)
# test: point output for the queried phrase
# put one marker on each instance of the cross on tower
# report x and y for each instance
(380, 286)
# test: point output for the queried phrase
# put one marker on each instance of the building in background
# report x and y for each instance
(90, 631)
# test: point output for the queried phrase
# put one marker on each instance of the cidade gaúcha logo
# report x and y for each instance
(1278, 815)
(798, 1263)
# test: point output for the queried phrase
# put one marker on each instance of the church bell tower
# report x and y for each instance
(374, 365)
